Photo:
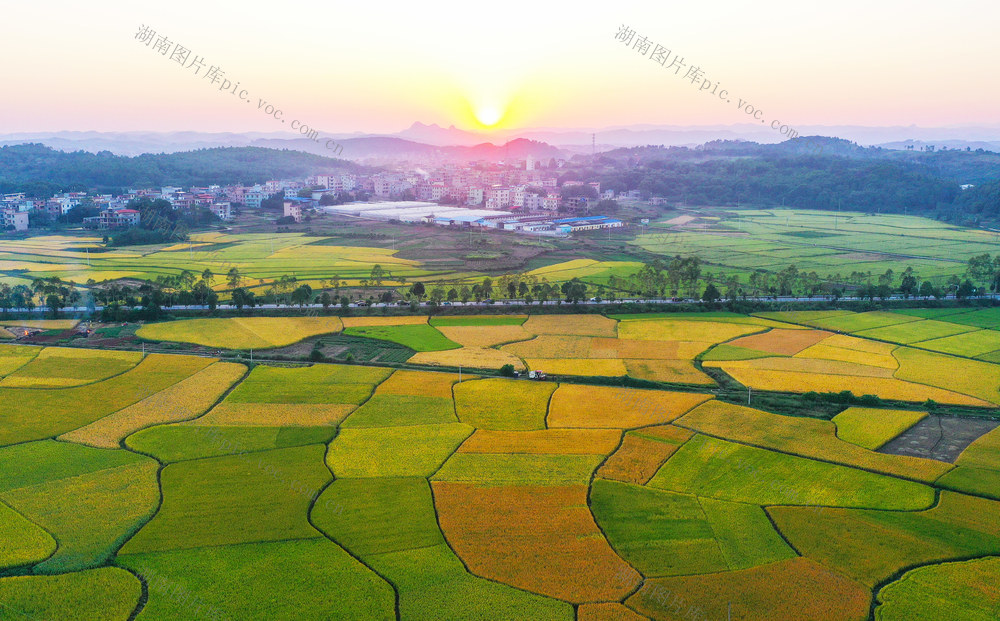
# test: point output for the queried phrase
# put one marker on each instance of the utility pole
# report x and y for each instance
(748, 394)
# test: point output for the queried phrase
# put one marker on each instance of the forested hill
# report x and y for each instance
(814, 173)
(41, 171)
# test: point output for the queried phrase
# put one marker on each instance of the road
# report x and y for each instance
(515, 303)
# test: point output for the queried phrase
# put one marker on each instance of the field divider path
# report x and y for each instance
(590, 508)
(437, 518)
(15, 571)
(90, 383)
(222, 397)
(309, 518)
(159, 480)
(895, 577)
(143, 593)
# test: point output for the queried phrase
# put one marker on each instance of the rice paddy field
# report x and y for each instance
(185, 487)
(825, 242)
(259, 258)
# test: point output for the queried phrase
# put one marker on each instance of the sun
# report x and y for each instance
(488, 116)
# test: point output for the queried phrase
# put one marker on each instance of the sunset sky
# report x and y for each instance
(380, 66)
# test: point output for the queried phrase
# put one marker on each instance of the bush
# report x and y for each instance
(507, 370)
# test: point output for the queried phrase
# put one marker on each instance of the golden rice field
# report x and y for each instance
(184, 400)
(573, 325)
(471, 357)
(413, 493)
(241, 332)
(484, 336)
(610, 367)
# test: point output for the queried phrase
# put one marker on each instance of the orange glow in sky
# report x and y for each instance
(378, 67)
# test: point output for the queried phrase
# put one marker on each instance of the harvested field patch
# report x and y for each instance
(808, 437)
(581, 367)
(983, 453)
(542, 442)
(416, 450)
(235, 499)
(871, 428)
(718, 469)
(184, 400)
(418, 337)
(542, 539)
(580, 325)
(485, 336)
(965, 590)
(105, 594)
(642, 452)
(502, 404)
(241, 332)
(781, 341)
(757, 594)
(943, 438)
(618, 408)
(671, 371)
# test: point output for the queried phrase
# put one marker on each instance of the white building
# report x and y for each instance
(16, 220)
(475, 196)
(224, 211)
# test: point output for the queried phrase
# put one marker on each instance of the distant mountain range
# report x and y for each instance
(423, 142)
